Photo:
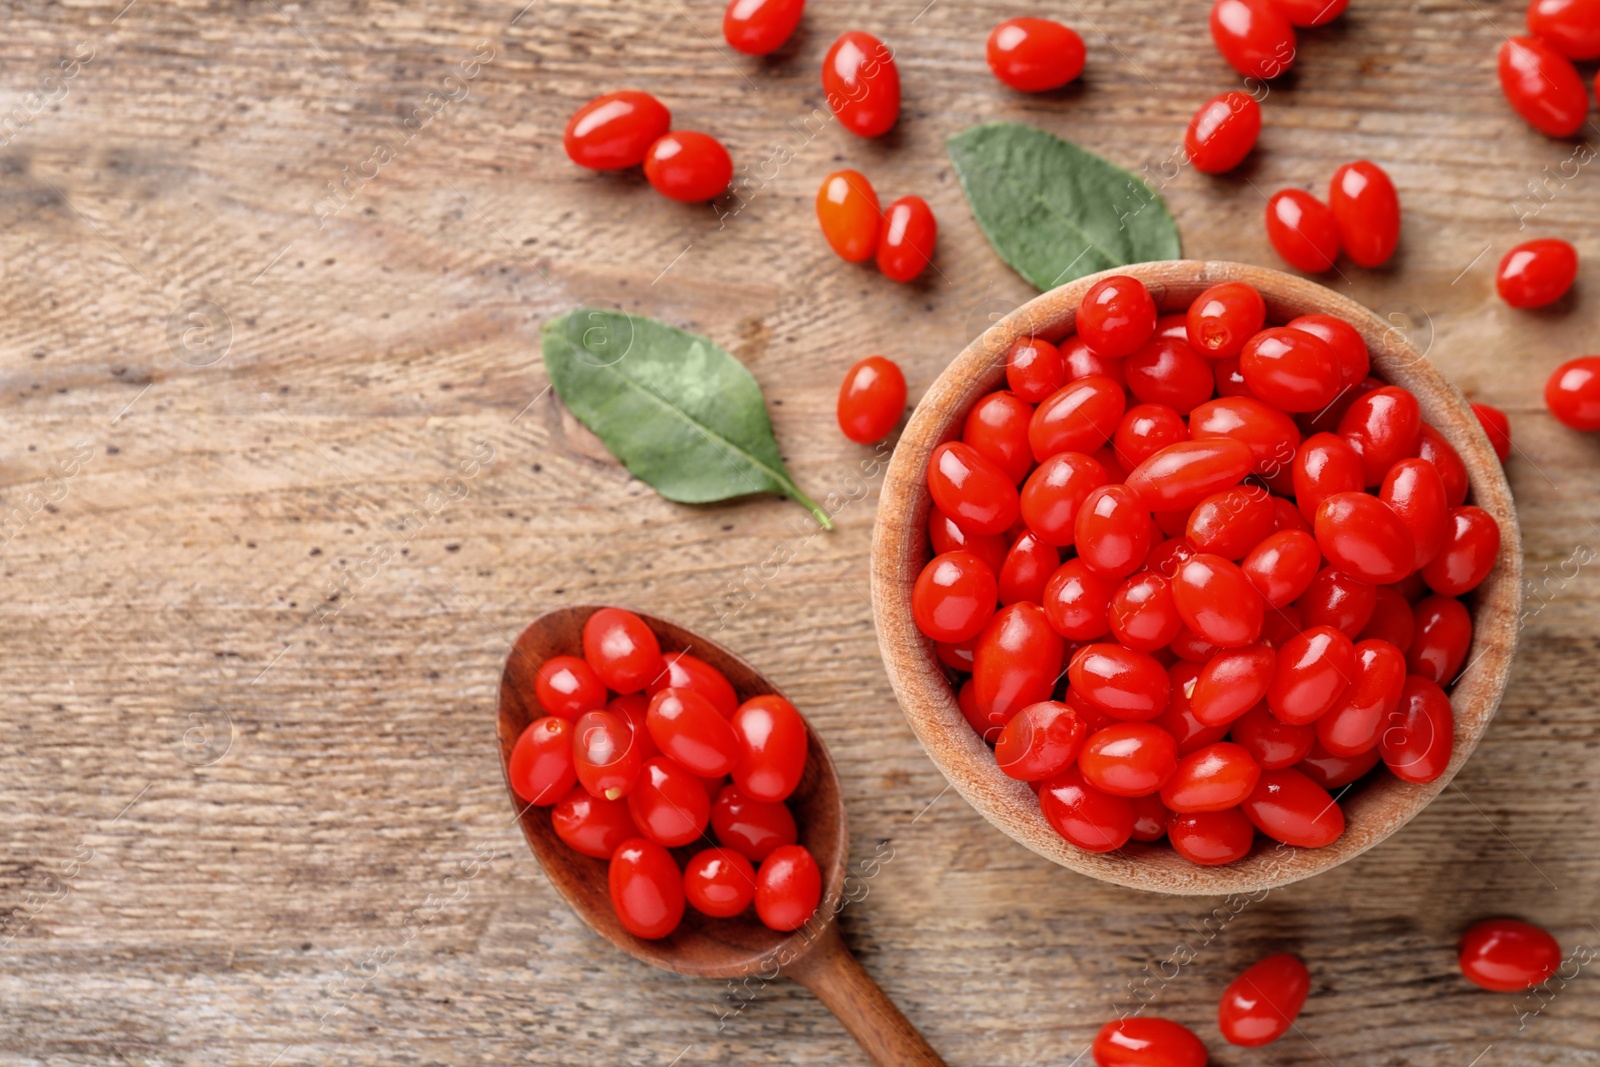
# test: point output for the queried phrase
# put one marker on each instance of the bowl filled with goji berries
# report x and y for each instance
(1196, 577)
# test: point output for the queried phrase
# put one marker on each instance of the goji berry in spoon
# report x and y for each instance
(541, 769)
(788, 887)
(646, 771)
(719, 882)
(646, 888)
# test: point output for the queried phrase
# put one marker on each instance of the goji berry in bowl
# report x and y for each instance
(1196, 596)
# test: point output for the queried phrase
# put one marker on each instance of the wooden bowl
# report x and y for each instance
(1376, 807)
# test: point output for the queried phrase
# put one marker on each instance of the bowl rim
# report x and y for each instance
(900, 546)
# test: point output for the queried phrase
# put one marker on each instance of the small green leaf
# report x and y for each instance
(1054, 211)
(679, 412)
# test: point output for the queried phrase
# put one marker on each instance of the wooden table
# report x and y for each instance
(283, 477)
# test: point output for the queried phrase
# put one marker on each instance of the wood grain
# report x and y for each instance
(255, 609)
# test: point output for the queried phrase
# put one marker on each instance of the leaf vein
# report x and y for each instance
(711, 437)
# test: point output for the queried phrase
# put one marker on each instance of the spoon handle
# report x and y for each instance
(831, 972)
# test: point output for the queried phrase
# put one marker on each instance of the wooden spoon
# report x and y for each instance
(741, 949)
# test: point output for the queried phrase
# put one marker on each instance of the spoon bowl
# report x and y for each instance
(740, 947)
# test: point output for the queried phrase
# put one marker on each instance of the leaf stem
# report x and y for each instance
(821, 516)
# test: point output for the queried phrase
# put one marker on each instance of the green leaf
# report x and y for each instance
(679, 412)
(1054, 211)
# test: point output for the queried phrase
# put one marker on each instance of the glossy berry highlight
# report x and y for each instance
(616, 130)
(872, 398)
(1033, 55)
